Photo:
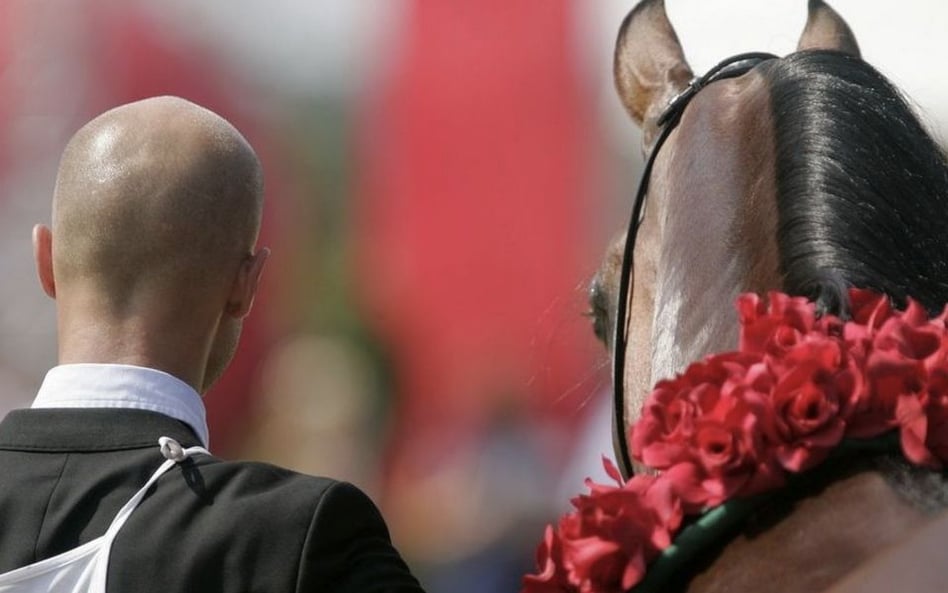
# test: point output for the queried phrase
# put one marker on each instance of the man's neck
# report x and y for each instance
(172, 349)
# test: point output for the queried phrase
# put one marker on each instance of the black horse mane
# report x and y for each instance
(862, 200)
(862, 188)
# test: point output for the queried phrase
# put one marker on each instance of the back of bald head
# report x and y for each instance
(157, 195)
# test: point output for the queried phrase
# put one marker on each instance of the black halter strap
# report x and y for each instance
(729, 68)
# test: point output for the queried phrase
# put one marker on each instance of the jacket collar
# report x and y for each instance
(95, 429)
(88, 385)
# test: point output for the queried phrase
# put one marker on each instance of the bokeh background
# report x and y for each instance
(442, 178)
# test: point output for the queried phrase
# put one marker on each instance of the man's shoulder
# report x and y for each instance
(263, 481)
(299, 532)
(260, 504)
(260, 472)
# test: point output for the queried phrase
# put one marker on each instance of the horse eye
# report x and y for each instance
(598, 312)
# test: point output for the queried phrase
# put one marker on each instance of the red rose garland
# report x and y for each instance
(740, 423)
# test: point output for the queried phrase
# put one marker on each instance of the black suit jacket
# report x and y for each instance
(207, 526)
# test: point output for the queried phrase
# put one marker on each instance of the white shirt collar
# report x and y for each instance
(123, 386)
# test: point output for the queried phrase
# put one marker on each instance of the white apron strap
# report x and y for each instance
(85, 569)
(174, 453)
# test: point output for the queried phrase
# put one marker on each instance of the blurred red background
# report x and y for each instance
(441, 180)
(420, 328)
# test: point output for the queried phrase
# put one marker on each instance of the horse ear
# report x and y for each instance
(825, 29)
(649, 66)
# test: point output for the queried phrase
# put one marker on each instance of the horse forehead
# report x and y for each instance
(728, 119)
(716, 198)
(720, 162)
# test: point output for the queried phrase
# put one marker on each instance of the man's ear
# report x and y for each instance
(43, 256)
(244, 289)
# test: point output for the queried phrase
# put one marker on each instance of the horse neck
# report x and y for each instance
(821, 539)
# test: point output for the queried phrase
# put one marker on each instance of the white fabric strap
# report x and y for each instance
(85, 569)
(174, 454)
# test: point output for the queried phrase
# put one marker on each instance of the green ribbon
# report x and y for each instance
(714, 526)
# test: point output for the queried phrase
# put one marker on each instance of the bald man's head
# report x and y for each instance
(156, 195)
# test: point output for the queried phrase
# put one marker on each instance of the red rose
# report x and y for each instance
(868, 308)
(713, 422)
(652, 491)
(894, 368)
(605, 544)
(936, 436)
(938, 360)
(551, 577)
(660, 437)
(923, 422)
(809, 402)
(910, 333)
(775, 327)
(731, 446)
(664, 433)
(615, 531)
(869, 311)
(913, 429)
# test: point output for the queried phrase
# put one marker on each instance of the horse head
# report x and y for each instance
(806, 174)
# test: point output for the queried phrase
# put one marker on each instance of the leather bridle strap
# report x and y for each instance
(729, 68)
